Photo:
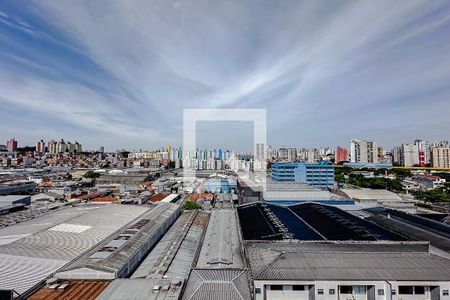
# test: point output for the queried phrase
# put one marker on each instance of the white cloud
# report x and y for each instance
(298, 59)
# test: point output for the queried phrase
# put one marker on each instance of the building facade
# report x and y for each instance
(40, 146)
(441, 157)
(321, 174)
(409, 155)
(341, 154)
(287, 154)
(363, 151)
(11, 145)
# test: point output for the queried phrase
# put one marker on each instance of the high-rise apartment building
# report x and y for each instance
(363, 151)
(62, 146)
(396, 156)
(287, 154)
(341, 154)
(409, 155)
(52, 146)
(424, 152)
(11, 145)
(260, 152)
(40, 146)
(441, 157)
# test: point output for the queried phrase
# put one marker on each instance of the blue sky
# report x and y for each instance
(119, 73)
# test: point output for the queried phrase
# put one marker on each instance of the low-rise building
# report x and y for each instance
(428, 182)
(321, 174)
(347, 270)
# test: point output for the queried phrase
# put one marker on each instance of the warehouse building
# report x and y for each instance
(287, 193)
(415, 227)
(347, 270)
(164, 271)
(220, 271)
(307, 221)
(32, 250)
(12, 203)
(221, 247)
(371, 198)
(120, 254)
(175, 254)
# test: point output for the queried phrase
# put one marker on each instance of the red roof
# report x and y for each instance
(429, 176)
(158, 197)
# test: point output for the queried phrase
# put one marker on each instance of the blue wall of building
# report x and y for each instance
(219, 186)
(321, 174)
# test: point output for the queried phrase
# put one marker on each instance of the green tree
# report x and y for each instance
(191, 205)
(91, 174)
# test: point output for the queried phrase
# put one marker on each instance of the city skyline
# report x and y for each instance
(218, 146)
(115, 76)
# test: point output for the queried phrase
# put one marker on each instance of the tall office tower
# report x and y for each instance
(409, 155)
(11, 145)
(341, 154)
(101, 149)
(363, 151)
(424, 152)
(287, 154)
(396, 156)
(40, 146)
(441, 157)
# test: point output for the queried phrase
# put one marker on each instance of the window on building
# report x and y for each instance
(359, 289)
(346, 289)
(320, 292)
(331, 291)
(444, 292)
(257, 290)
(380, 292)
(419, 290)
(393, 292)
(406, 290)
(276, 287)
(298, 287)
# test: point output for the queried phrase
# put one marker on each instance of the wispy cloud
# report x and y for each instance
(128, 68)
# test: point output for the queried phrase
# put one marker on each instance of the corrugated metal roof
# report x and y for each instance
(220, 284)
(141, 289)
(186, 255)
(169, 242)
(221, 245)
(76, 289)
(174, 254)
(345, 261)
(141, 236)
(37, 251)
(371, 194)
(21, 273)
